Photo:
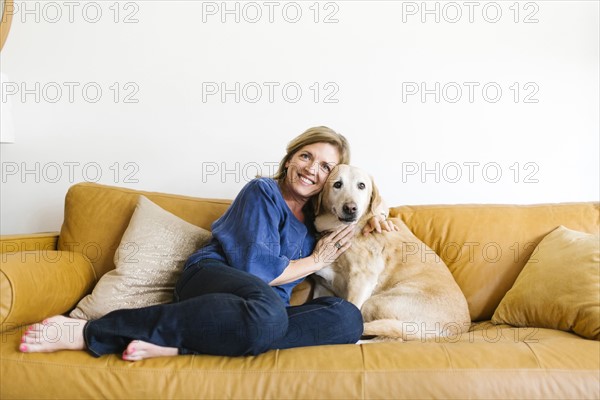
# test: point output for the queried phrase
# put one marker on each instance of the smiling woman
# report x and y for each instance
(6, 11)
(233, 295)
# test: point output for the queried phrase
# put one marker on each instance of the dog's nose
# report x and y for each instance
(349, 208)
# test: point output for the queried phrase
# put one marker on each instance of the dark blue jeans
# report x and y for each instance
(220, 310)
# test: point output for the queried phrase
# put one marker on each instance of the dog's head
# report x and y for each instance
(349, 195)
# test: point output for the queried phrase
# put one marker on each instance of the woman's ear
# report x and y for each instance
(376, 199)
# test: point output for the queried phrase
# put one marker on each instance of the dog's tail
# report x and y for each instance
(389, 328)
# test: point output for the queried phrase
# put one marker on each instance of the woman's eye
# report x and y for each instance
(304, 156)
(326, 168)
(337, 185)
(361, 186)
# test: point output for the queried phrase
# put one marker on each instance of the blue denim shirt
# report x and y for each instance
(259, 234)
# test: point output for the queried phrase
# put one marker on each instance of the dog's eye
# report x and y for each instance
(337, 185)
(361, 186)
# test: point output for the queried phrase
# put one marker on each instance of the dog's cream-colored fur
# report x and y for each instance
(403, 289)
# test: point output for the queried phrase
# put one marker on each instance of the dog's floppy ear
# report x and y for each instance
(316, 202)
(375, 198)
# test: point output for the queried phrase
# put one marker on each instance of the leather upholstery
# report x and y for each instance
(490, 361)
(486, 246)
(96, 217)
(495, 362)
(38, 284)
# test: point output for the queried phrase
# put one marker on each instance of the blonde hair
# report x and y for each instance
(317, 134)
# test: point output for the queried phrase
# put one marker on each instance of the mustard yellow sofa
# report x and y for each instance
(484, 246)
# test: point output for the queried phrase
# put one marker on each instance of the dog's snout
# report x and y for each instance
(350, 208)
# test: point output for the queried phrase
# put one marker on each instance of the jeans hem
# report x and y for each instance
(86, 341)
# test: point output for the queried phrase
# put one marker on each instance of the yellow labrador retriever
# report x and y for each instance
(401, 286)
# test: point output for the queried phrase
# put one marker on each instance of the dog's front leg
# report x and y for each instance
(363, 280)
(326, 276)
(360, 288)
(324, 282)
(322, 291)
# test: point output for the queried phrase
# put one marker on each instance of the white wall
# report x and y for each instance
(369, 59)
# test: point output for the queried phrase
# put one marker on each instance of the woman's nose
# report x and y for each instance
(313, 168)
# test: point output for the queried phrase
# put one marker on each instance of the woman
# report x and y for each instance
(233, 295)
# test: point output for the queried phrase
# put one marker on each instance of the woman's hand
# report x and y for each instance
(378, 223)
(327, 250)
(332, 245)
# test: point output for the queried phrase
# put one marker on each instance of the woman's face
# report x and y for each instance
(309, 167)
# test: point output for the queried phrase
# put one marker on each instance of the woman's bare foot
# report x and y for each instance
(139, 350)
(53, 334)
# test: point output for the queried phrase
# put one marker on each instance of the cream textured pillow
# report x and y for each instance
(559, 286)
(148, 262)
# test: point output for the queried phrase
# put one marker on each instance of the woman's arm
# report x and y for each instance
(325, 253)
(249, 234)
(297, 269)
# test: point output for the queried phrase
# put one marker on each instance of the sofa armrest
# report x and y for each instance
(38, 284)
(30, 241)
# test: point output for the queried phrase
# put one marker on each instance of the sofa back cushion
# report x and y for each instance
(484, 246)
(96, 216)
(487, 246)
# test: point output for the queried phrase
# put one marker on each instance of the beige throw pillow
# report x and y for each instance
(559, 287)
(148, 262)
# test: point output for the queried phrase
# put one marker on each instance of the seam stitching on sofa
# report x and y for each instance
(537, 360)
(270, 371)
(12, 297)
(364, 370)
(447, 354)
(480, 206)
(144, 193)
(34, 236)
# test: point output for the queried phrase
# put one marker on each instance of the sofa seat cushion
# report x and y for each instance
(494, 362)
(486, 246)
